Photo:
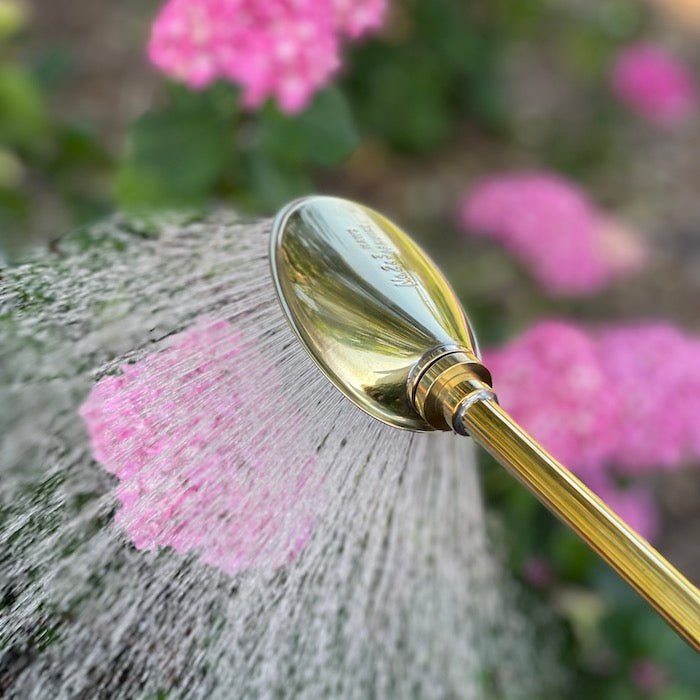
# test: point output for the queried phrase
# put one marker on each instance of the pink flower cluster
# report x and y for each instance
(622, 401)
(551, 226)
(194, 471)
(654, 84)
(355, 18)
(656, 372)
(286, 49)
(552, 380)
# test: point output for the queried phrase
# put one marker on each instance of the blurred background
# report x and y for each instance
(546, 153)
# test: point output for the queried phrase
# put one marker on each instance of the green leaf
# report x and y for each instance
(221, 98)
(53, 67)
(174, 159)
(572, 557)
(404, 97)
(329, 129)
(324, 134)
(272, 184)
(23, 112)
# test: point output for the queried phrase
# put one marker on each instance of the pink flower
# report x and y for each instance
(358, 17)
(654, 369)
(654, 84)
(286, 49)
(551, 226)
(691, 396)
(197, 471)
(552, 381)
(623, 401)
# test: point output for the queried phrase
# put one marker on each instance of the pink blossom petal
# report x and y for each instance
(551, 226)
(358, 17)
(284, 49)
(621, 247)
(194, 472)
(621, 401)
(654, 84)
(653, 368)
(552, 381)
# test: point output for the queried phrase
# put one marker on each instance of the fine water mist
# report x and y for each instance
(190, 509)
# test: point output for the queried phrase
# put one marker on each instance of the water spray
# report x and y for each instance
(190, 507)
(384, 326)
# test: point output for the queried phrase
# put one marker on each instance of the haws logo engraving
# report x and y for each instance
(369, 238)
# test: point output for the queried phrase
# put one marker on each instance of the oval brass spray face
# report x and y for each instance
(368, 304)
(383, 324)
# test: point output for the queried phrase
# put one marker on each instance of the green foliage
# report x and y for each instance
(280, 163)
(23, 111)
(416, 89)
(174, 158)
(610, 627)
(45, 162)
(413, 89)
(202, 145)
(324, 134)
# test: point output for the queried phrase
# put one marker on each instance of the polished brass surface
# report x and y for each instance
(445, 384)
(367, 303)
(385, 327)
(663, 586)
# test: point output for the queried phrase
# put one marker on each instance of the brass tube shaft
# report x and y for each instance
(654, 578)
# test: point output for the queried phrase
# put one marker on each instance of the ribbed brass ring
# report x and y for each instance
(445, 384)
